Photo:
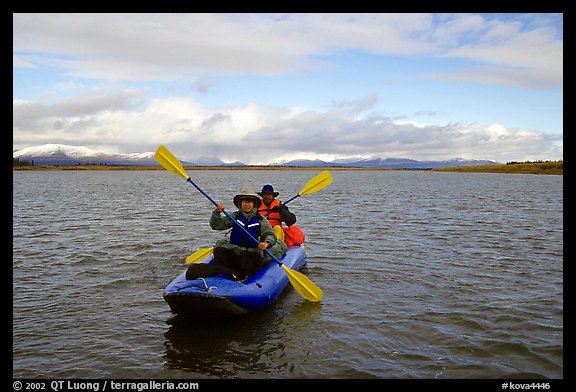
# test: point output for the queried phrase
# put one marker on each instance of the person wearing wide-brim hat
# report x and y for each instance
(239, 253)
(268, 189)
(249, 195)
(273, 209)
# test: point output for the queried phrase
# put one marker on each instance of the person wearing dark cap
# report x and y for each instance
(273, 209)
(241, 254)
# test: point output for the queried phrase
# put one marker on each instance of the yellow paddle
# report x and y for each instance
(300, 282)
(199, 255)
(314, 185)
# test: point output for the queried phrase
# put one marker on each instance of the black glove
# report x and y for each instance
(280, 209)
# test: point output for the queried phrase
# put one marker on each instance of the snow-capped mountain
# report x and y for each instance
(62, 154)
(388, 163)
(57, 149)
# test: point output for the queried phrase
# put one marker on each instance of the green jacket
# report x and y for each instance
(220, 222)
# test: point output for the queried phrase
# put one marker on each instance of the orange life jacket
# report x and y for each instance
(274, 217)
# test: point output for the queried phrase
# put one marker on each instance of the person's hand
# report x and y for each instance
(278, 209)
(220, 207)
(262, 245)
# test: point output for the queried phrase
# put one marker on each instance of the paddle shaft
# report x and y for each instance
(282, 204)
(233, 220)
(286, 202)
(314, 185)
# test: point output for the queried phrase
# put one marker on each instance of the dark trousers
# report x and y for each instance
(244, 264)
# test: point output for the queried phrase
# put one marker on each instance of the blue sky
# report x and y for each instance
(263, 88)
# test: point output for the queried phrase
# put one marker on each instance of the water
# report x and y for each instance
(425, 275)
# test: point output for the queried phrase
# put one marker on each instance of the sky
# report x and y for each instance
(263, 88)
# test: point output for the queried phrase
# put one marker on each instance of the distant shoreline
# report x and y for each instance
(553, 168)
(191, 168)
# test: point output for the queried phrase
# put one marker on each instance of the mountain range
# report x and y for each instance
(61, 154)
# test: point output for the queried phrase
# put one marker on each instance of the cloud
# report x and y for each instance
(33, 116)
(261, 134)
(357, 106)
(337, 134)
(531, 59)
(534, 79)
(183, 46)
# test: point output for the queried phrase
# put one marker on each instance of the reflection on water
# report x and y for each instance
(256, 345)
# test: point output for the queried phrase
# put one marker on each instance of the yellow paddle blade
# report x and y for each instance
(314, 185)
(279, 232)
(303, 285)
(199, 255)
(164, 157)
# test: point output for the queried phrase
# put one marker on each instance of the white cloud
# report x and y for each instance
(529, 58)
(511, 77)
(179, 46)
(261, 134)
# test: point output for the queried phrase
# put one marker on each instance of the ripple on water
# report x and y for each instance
(425, 275)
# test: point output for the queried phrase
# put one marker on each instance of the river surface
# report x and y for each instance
(425, 275)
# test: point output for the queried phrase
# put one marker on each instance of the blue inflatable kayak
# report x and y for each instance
(219, 294)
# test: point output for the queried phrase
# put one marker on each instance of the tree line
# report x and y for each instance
(538, 161)
(18, 162)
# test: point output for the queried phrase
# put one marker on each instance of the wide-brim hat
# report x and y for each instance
(247, 194)
(269, 189)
